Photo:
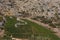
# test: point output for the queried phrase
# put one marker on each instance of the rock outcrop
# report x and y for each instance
(45, 8)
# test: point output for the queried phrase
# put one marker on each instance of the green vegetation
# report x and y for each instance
(26, 31)
(43, 31)
(19, 31)
(45, 21)
(52, 25)
(1, 18)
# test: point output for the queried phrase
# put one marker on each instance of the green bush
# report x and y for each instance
(51, 24)
(1, 18)
(46, 21)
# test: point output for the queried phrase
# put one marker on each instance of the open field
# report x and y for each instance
(43, 31)
(31, 30)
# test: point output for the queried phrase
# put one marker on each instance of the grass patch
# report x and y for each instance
(25, 31)
(43, 31)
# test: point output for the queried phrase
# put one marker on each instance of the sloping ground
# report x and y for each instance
(22, 31)
(32, 30)
(43, 32)
(56, 30)
(34, 7)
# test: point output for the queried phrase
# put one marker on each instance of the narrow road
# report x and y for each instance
(47, 26)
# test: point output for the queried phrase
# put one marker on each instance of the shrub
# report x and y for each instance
(1, 18)
(51, 24)
(46, 21)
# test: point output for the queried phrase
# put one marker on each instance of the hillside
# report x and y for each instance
(33, 7)
(30, 19)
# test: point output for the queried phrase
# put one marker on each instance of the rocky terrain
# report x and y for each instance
(34, 7)
(44, 12)
(49, 9)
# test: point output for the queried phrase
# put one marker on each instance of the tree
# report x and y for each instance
(1, 18)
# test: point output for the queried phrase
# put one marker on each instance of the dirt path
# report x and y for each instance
(2, 33)
(46, 26)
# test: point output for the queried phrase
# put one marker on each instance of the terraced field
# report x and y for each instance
(31, 30)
